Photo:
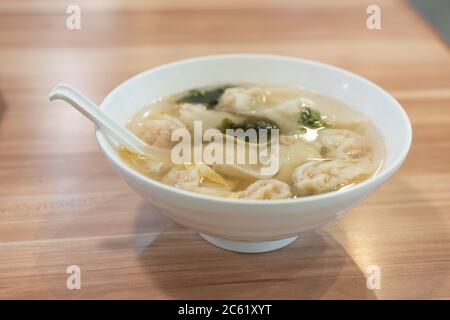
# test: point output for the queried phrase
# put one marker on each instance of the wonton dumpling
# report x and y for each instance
(316, 177)
(210, 118)
(293, 155)
(156, 132)
(343, 144)
(252, 102)
(286, 115)
(290, 157)
(186, 179)
(249, 167)
(242, 101)
(266, 189)
(192, 180)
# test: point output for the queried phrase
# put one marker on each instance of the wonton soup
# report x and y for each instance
(315, 144)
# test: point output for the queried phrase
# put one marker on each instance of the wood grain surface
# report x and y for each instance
(61, 204)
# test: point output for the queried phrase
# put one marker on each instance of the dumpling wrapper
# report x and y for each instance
(293, 155)
(248, 169)
(290, 157)
(209, 118)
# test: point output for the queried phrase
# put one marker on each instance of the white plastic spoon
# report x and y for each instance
(101, 119)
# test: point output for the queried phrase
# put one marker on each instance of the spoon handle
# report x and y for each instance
(93, 113)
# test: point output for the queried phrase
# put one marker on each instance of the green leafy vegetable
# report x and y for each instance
(228, 124)
(251, 123)
(312, 119)
(210, 98)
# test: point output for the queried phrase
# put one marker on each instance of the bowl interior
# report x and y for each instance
(357, 92)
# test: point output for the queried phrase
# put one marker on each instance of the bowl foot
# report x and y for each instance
(247, 246)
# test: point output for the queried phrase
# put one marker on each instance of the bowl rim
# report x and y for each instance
(388, 171)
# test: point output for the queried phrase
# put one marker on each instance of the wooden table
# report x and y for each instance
(61, 204)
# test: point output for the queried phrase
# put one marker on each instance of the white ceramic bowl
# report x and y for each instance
(251, 225)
